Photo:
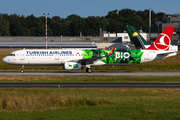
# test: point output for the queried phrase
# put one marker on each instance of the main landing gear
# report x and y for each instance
(89, 70)
(22, 69)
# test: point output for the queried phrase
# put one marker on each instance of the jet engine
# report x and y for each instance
(72, 66)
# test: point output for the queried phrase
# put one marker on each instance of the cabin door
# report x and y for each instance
(146, 57)
(22, 56)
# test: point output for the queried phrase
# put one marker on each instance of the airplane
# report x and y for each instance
(140, 42)
(75, 59)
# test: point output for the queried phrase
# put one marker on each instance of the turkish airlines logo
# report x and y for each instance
(163, 43)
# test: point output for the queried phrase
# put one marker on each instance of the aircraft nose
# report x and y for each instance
(5, 60)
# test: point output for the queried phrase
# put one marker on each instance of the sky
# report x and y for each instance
(84, 8)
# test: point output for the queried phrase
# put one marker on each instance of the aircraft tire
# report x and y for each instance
(89, 70)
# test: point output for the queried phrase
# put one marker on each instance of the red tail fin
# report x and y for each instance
(163, 41)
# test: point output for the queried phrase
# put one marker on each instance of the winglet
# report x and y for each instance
(112, 50)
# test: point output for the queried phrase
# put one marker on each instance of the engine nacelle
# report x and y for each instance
(72, 66)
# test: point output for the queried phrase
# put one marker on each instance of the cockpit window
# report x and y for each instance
(11, 55)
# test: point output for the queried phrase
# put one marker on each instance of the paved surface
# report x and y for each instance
(96, 73)
(41, 45)
(90, 85)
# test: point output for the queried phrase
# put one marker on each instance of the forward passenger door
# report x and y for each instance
(22, 55)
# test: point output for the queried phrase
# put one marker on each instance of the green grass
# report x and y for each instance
(86, 79)
(115, 104)
(96, 113)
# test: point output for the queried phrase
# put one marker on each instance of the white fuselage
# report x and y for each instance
(42, 57)
(59, 57)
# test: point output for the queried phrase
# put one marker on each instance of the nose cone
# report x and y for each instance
(5, 60)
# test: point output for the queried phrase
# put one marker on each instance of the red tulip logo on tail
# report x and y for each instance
(163, 43)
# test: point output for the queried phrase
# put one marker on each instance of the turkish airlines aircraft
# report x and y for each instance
(75, 59)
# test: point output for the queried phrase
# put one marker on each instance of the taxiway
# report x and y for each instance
(89, 85)
(96, 73)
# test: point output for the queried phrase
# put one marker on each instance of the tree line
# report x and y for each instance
(114, 21)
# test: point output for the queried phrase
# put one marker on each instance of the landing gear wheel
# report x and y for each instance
(22, 69)
(89, 70)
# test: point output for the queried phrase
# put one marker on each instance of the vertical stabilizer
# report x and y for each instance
(163, 41)
(132, 31)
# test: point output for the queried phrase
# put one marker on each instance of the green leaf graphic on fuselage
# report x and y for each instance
(87, 54)
(136, 55)
(118, 56)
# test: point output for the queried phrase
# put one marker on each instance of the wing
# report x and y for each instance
(92, 59)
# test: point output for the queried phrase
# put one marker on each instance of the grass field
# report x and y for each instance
(169, 64)
(92, 103)
(44, 104)
(86, 79)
